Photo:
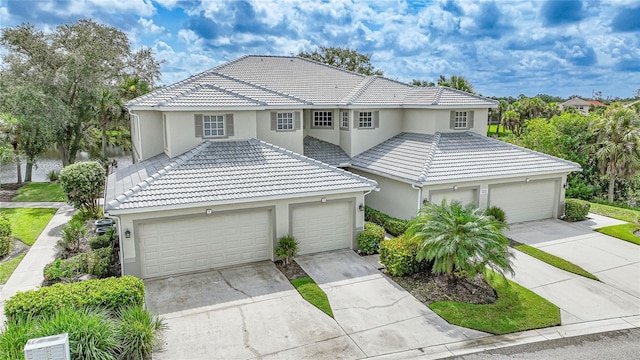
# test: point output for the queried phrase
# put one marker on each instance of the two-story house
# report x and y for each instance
(231, 159)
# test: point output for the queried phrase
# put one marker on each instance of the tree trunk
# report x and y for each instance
(103, 152)
(612, 183)
(28, 171)
(19, 168)
(63, 154)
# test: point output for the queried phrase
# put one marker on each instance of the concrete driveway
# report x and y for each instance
(615, 262)
(379, 316)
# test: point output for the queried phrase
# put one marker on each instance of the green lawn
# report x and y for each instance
(517, 309)
(28, 223)
(553, 260)
(40, 192)
(311, 292)
(7, 268)
(612, 211)
(622, 232)
(491, 130)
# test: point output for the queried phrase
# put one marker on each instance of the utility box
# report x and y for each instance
(54, 347)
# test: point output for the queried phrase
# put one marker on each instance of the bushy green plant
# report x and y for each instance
(110, 293)
(96, 262)
(83, 183)
(398, 255)
(53, 175)
(138, 332)
(393, 226)
(14, 337)
(575, 211)
(370, 238)
(101, 241)
(497, 213)
(287, 248)
(5, 236)
(72, 235)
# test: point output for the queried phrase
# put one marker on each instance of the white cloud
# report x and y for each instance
(149, 27)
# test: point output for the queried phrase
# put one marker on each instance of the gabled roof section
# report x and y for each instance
(445, 157)
(270, 81)
(223, 172)
(326, 152)
(575, 101)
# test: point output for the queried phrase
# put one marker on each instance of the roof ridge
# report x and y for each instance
(436, 99)
(263, 88)
(179, 160)
(233, 93)
(357, 91)
(311, 161)
(571, 163)
(467, 93)
(430, 155)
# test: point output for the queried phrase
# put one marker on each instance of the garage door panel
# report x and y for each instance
(525, 201)
(322, 227)
(465, 196)
(185, 245)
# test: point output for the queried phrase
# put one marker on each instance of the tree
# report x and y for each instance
(456, 82)
(511, 121)
(70, 64)
(618, 145)
(109, 108)
(343, 58)
(83, 183)
(11, 134)
(422, 83)
(460, 240)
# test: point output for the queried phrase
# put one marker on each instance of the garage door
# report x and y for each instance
(465, 196)
(191, 244)
(322, 227)
(524, 201)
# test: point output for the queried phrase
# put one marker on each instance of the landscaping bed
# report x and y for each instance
(9, 191)
(429, 288)
(305, 285)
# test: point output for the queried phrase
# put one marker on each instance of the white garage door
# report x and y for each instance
(322, 227)
(525, 201)
(465, 196)
(185, 245)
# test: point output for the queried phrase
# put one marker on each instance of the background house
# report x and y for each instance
(579, 104)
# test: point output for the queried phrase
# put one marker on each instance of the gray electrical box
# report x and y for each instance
(54, 347)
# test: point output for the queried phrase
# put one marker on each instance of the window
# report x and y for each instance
(460, 121)
(322, 119)
(344, 119)
(213, 125)
(284, 121)
(365, 119)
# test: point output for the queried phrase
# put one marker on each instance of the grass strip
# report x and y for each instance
(516, 309)
(7, 268)
(28, 223)
(311, 292)
(40, 192)
(628, 215)
(622, 232)
(553, 260)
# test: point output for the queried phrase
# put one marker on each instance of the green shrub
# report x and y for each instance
(5, 236)
(110, 293)
(398, 255)
(83, 183)
(101, 241)
(72, 235)
(15, 336)
(393, 226)
(97, 263)
(497, 213)
(53, 175)
(287, 248)
(138, 332)
(575, 211)
(370, 238)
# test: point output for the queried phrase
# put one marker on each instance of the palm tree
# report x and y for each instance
(618, 145)
(503, 105)
(109, 108)
(511, 120)
(456, 82)
(460, 240)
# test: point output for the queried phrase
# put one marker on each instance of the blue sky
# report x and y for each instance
(503, 47)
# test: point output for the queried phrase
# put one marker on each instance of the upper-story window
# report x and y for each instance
(322, 119)
(460, 121)
(213, 125)
(284, 121)
(344, 119)
(365, 119)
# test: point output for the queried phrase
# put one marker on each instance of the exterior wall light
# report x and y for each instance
(455, 187)
(208, 211)
(361, 207)
(127, 234)
(527, 180)
(323, 200)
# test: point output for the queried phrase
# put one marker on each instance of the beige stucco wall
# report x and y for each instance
(181, 129)
(147, 134)
(395, 198)
(290, 140)
(429, 121)
(131, 260)
(390, 124)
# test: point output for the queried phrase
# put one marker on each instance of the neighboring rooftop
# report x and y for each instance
(424, 159)
(326, 152)
(225, 171)
(271, 81)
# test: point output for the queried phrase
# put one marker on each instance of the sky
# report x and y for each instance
(505, 48)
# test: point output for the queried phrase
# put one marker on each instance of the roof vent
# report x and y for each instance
(54, 347)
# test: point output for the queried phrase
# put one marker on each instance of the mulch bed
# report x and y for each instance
(17, 248)
(292, 271)
(9, 191)
(429, 288)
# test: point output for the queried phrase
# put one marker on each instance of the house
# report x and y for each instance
(596, 103)
(579, 104)
(230, 159)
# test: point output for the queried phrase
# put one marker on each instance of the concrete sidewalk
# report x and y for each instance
(28, 274)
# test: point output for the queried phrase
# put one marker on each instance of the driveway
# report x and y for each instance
(615, 262)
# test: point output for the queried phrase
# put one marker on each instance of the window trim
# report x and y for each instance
(344, 113)
(278, 123)
(469, 119)
(461, 117)
(329, 119)
(361, 124)
(204, 129)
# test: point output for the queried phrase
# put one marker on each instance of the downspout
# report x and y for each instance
(419, 188)
(119, 228)
(137, 120)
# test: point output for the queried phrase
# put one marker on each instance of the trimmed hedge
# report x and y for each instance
(393, 226)
(575, 211)
(111, 294)
(370, 238)
(100, 241)
(96, 262)
(399, 256)
(5, 236)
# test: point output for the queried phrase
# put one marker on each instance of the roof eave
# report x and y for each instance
(509, 176)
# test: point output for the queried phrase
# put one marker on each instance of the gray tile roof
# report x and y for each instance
(225, 171)
(326, 152)
(424, 159)
(262, 81)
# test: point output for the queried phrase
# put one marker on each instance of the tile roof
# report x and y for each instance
(263, 81)
(425, 159)
(324, 151)
(225, 171)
